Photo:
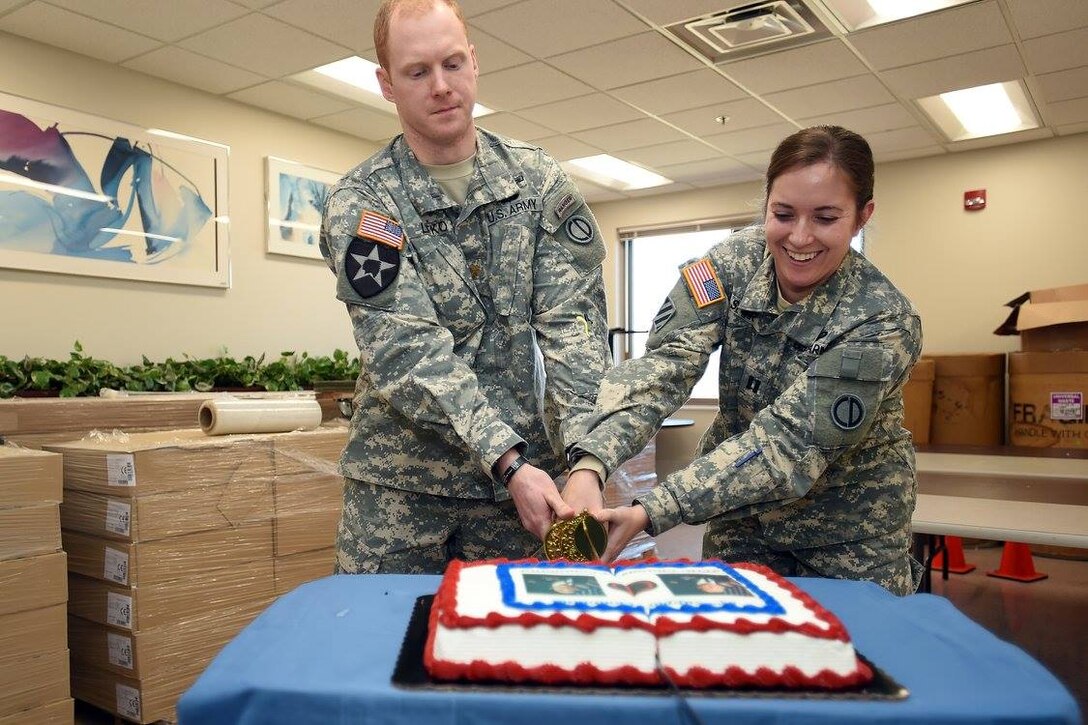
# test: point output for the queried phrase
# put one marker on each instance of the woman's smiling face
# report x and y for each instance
(811, 217)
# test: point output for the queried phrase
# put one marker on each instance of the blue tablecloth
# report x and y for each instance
(325, 653)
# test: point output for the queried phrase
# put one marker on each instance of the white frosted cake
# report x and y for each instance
(702, 624)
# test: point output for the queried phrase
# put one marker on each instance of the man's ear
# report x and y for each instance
(475, 65)
(385, 83)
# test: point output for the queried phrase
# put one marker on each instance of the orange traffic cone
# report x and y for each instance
(1017, 564)
(957, 564)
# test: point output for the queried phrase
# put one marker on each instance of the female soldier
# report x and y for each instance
(806, 468)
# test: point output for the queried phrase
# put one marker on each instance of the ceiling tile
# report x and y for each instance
(796, 67)
(675, 152)
(841, 95)
(883, 157)
(492, 54)
(746, 113)
(578, 114)
(564, 148)
(1064, 85)
(265, 45)
(593, 193)
(6, 5)
(545, 28)
(899, 139)
(514, 126)
(169, 21)
(677, 93)
(757, 160)
(56, 26)
(349, 23)
(887, 117)
(1043, 17)
(532, 84)
(1072, 128)
(181, 66)
(472, 8)
(666, 13)
(362, 122)
(290, 100)
(628, 60)
(256, 4)
(1004, 139)
(633, 134)
(1057, 52)
(982, 67)
(1064, 113)
(936, 35)
(764, 138)
(708, 173)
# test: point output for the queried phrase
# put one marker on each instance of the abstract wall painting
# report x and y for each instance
(81, 194)
(296, 197)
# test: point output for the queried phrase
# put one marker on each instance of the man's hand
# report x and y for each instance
(583, 492)
(623, 523)
(537, 499)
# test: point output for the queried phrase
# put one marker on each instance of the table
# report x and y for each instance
(325, 653)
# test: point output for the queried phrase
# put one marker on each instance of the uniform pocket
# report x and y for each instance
(847, 387)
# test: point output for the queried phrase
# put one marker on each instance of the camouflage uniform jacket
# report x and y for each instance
(808, 436)
(484, 330)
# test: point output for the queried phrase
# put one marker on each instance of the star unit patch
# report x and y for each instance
(370, 267)
(703, 282)
(381, 229)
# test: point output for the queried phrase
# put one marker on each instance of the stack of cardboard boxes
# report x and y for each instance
(33, 639)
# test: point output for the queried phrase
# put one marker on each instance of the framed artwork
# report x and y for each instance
(296, 198)
(86, 195)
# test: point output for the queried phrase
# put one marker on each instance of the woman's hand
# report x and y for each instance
(622, 523)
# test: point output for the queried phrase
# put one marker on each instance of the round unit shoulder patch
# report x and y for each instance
(579, 229)
(370, 267)
(848, 411)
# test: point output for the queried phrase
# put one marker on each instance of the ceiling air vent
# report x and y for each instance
(750, 29)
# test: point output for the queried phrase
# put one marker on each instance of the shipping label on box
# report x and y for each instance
(1047, 394)
(29, 477)
(143, 700)
(34, 582)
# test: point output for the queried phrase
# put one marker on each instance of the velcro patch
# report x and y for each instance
(381, 229)
(579, 229)
(703, 282)
(370, 267)
(848, 411)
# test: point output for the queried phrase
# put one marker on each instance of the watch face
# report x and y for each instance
(582, 538)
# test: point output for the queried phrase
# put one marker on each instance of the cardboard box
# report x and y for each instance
(32, 583)
(33, 631)
(19, 416)
(968, 400)
(154, 562)
(307, 512)
(1049, 320)
(146, 700)
(145, 607)
(918, 400)
(32, 680)
(311, 452)
(158, 516)
(61, 712)
(29, 530)
(154, 652)
(28, 476)
(1048, 392)
(297, 569)
(145, 463)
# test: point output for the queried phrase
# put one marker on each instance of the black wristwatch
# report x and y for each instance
(512, 469)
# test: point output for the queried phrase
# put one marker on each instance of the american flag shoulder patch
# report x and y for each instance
(380, 229)
(703, 282)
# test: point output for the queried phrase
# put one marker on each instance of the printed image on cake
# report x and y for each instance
(701, 624)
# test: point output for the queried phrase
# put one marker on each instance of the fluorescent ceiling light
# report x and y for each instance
(9, 178)
(858, 14)
(349, 76)
(614, 173)
(988, 110)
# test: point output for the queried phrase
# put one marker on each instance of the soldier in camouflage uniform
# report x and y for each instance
(471, 270)
(807, 467)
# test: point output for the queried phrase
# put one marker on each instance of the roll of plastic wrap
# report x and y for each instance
(260, 415)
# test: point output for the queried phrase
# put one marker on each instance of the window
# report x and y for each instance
(652, 261)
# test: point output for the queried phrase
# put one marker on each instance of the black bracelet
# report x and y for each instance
(512, 469)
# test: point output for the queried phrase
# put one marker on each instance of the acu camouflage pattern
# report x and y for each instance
(777, 480)
(493, 334)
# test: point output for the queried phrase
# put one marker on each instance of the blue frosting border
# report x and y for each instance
(504, 571)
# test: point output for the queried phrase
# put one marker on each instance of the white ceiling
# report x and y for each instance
(581, 77)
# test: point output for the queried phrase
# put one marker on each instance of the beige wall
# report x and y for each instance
(276, 303)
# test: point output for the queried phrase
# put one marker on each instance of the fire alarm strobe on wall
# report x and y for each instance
(974, 200)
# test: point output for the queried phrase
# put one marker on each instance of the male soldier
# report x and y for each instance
(470, 267)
